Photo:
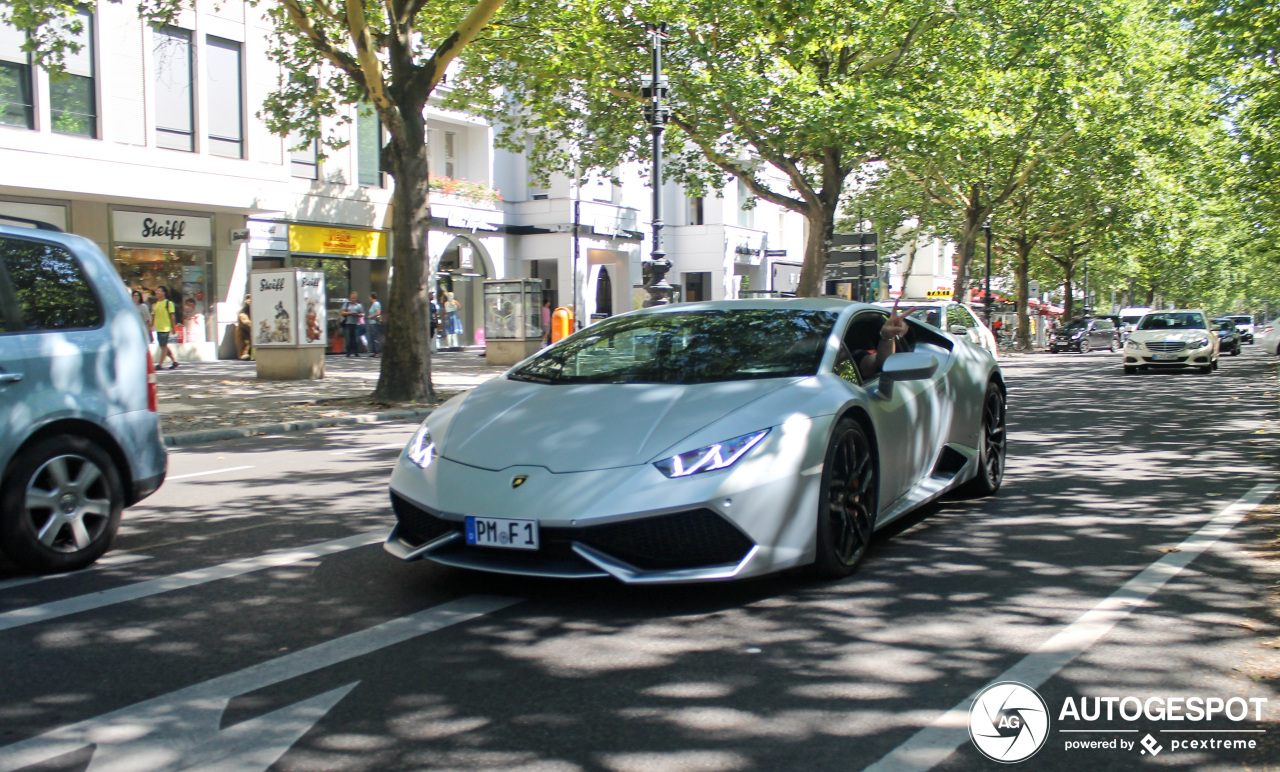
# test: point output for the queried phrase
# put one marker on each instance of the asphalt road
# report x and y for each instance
(249, 618)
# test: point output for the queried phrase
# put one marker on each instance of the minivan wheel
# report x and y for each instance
(61, 505)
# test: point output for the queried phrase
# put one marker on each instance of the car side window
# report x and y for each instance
(970, 319)
(49, 288)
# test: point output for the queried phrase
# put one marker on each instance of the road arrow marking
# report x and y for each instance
(180, 730)
(61, 608)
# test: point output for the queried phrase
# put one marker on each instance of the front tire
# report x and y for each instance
(1084, 347)
(992, 448)
(850, 501)
(1130, 370)
(61, 505)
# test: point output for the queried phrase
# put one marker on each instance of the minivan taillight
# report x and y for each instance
(152, 399)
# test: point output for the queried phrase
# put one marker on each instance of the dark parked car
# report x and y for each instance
(1084, 335)
(1229, 338)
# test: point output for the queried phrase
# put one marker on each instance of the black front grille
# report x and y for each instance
(417, 525)
(693, 539)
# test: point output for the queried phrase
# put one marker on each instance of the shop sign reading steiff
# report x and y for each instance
(173, 230)
(288, 307)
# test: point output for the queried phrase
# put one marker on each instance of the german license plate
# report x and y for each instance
(501, 532)
(1165, 357)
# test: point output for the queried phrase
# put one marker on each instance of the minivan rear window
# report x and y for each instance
(49, 287)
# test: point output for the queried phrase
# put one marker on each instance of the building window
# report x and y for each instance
(369, 148)
(451, 154)
(303, 162)
(174, 112)
(73, 98)
(226, 104)
(16, 106)
(697, 215)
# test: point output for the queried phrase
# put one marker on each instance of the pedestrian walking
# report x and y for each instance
(144, 312)
(351, 313)
(163, 316)
(546, 322)
(244, 329)
(434, 321)
(373, 325)
(453, 329)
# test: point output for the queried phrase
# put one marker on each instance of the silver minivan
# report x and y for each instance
(79, 430)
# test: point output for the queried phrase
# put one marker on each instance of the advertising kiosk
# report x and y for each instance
(512, 320)
(288, 312)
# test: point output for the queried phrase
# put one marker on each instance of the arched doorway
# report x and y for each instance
(463, 267)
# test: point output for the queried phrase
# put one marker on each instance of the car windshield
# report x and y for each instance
(688, 347)
(1245, 319)
(1171, 321)
(1079, 324)
(1227, 325)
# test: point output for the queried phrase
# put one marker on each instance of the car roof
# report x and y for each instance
(792, 304)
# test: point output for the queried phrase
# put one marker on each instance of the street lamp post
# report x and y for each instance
(986, 299)
(656, 113)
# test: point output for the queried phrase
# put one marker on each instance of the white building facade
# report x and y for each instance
(151, 147)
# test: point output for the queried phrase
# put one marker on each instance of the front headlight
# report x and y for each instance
(421, 450)
(721, 455)
(1197, 343)
(1131, 343)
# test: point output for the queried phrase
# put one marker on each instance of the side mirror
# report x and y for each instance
(958, 329)
(907, 366)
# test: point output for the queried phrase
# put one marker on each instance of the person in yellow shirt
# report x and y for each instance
(162, 316)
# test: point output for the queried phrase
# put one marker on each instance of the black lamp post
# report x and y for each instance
(986, 298)
(656, 113)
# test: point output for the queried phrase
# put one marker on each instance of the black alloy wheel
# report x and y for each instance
(850, 501)
(1115, 345)
(60, 505)
(1084, 346)
(992, 448)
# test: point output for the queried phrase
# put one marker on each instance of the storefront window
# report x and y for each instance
(187, 278)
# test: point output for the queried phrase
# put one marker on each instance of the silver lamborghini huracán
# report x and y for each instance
(701, 441)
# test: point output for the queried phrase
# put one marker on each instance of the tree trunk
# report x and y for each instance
(1021, 272)
(821, 220)
(406, 359)
(1068, 286)
(974, 215)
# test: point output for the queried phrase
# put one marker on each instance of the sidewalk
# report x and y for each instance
(209, 401)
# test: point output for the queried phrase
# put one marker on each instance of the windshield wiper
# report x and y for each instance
(530, 378)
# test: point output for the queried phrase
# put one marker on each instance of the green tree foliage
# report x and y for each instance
(790, 97)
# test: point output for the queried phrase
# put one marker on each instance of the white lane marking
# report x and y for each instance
(933, 744)
(110, 561)
(182, 729)
(97, 600)
(202, 474)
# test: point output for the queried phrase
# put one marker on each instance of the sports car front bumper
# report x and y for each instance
(630, 523)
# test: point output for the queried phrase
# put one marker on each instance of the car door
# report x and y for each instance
(51, 347)
(14, 384)
(908, 421)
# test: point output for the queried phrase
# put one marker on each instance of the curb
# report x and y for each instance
(215, 435)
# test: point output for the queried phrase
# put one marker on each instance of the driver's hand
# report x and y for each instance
(896, 325)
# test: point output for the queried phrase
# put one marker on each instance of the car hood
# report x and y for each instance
(586, 427)
(1144, 336)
